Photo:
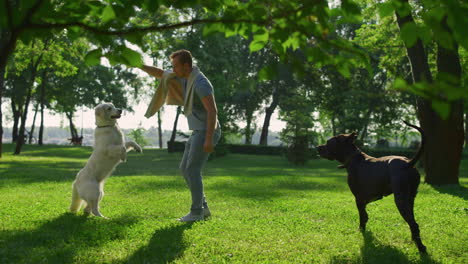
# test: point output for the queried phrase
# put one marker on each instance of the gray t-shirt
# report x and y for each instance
(202, 87)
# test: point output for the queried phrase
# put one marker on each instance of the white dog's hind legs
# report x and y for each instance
(76, 200)
(93, 207)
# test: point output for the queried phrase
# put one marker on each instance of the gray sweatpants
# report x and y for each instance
(192, 163)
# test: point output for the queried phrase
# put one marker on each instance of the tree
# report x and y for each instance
(444, 128)
(284, 24)
(26, 20)
(296, 111)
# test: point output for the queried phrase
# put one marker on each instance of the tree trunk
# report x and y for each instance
(16, 120)
(174, 128)
(160, 130)
(248, 129)
(170, 144)
(42, 101)
(442, 153)
(466, 130)
(2, 79)
(40, 140)
(31, 133)
(73, 131)
(266, 122)
(449, 149)
(363, 133)
(333, 124)
(21, 135)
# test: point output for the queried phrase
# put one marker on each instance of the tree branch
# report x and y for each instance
(124, 32)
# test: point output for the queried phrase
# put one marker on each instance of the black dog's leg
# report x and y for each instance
(405, 206)
(363, 217)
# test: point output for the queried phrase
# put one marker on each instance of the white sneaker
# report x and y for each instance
(191, 218)
(206, 212)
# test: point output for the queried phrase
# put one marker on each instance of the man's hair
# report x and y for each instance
(184, 56)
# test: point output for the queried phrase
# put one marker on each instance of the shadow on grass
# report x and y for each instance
(38, 171)
(60, 151)
(61, 239)
(269, 187)
(453, 189)
(166, 245)
(374, 252)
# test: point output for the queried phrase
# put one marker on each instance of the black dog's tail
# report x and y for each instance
(421, 147)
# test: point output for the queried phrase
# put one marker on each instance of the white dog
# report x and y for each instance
(109, 150)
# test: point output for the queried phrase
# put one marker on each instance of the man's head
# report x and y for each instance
(182, 63)
(338, 147)
(106, 114)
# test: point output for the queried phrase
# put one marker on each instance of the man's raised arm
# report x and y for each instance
(153, 71)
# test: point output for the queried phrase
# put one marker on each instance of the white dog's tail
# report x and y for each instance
(76, 200)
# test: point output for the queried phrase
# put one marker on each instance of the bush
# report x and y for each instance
(256, 149)
(299, 152)
(175, 146)
(138, 135)
(380, 152)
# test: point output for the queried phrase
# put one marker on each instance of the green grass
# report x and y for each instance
(264, 211)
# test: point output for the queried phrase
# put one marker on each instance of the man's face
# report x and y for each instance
(181, 70)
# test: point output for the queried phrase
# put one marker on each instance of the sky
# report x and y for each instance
(85, 117)
(128, 120)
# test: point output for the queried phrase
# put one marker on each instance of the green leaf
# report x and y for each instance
(257, 45)
(436, 13)
(93, 57)
(153, 6)
(442, 108)
(350, 7)
(400, 84)
(213, 28)
(444, 38)
(112, 59)
(108, 14)
(3, 18)
(409, 34)
(267, 73)
(386, 9)
(343, 68)
(132, 57)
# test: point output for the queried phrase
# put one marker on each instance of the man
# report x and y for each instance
(201, 112)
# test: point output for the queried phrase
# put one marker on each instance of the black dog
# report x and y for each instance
(372, 178)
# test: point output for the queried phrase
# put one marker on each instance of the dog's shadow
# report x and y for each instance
(372, 251)
(164, 247)
(61, 239)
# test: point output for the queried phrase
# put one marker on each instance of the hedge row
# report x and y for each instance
(221, 150)
(179, 146)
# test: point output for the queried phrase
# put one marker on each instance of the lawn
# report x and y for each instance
(264, 211)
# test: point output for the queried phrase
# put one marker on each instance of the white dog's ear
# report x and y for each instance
(98, 111)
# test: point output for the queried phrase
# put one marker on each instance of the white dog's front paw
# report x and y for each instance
(123, 154)
(138, 148)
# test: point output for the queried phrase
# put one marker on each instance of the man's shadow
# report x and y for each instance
(61, 239)
(166, 245)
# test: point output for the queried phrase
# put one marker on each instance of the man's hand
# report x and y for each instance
(208, 146)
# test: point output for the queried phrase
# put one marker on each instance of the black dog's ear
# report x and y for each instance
(352, 137)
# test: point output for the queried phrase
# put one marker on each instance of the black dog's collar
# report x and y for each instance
(348, 160)
(105, 126)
